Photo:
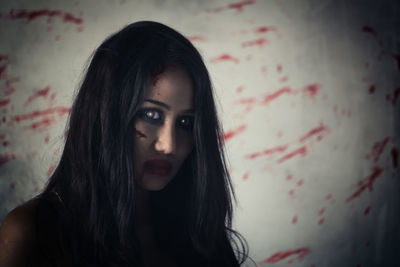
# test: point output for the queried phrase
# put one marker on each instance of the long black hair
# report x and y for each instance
(95, 176)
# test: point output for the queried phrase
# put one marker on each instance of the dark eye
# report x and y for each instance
(186, 122)
(151, 115)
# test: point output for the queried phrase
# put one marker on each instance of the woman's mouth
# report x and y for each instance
(157, 167)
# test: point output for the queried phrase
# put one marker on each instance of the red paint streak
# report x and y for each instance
(225, 57)
(47, 139)
(194, 38)
(370, 30)
(367, 210)
(41, 93)
(395, 157)
(279, 68)
(300, 151)
(321, 211)
(268, 151)
(239, 5)
(259, 42)
(284, 79)
(42, 124)
(321, 221)
(38, 113)
(35, 14)
(366, 183)
(228, 135)
(294, 219)
(378, 149)
(371, 90)
(245, 176)
(300, 182)
(265, 29)
(4, 158)
(4, 102)
(320, 131)
(51, 170)
(268, 98)
(311, 90)
(281, 255)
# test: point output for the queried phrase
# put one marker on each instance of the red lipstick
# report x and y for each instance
(157, 167)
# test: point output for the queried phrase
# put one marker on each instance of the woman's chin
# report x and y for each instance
(153, 182)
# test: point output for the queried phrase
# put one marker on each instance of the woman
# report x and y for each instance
(142, 180)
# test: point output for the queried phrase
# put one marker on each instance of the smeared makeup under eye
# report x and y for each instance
(186, 122)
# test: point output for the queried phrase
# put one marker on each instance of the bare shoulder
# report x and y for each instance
(17, 235)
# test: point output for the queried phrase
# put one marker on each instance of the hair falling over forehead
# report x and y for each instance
(95, 176)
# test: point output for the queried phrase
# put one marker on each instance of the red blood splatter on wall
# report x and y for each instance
(329, 196)
(4, 102)
(279, 68)
(284, 79)
(245, 176)
(240, 89)
(311, 90)
(38, 113)
(41, 93)
(31, 15)
(265, 29)
(258, 42)
(321, 211)
(239, 5)
(369, 30)
(282, 255)
(228, 135)
(294, 219)
(6, 157)
(225, 57)
(395, 157)
(366, 183)
(292, 193)
(269, 97)
(268, 151)
(300, 182)
(371, 89)
(300, 151)
(196, 38)
(289, 177)
(320, 131)
(321, 221)
(367, 210)
(378, 149)
(51, 169)
(42, 124)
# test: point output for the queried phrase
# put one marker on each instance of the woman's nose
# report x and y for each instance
(165, 142)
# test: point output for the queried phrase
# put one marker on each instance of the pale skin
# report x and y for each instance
(163, 132)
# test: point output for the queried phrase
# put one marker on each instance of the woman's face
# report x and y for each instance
(164, 123)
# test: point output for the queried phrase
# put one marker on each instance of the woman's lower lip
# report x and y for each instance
(157, 167)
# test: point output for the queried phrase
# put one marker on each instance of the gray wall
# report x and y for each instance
(307, 93)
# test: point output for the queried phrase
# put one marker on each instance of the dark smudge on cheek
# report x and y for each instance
(140, 134)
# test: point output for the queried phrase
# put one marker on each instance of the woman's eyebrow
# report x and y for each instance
(162, 104)
(157, 103)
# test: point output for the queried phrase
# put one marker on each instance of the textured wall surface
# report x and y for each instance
(308, 96)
